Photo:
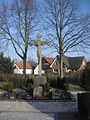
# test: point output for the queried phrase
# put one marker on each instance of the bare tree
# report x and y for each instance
(17, 23)
(66, 27)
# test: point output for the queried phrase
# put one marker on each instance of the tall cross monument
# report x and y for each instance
(38, 44)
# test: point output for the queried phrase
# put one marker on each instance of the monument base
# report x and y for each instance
(37, 92)
(38, 83)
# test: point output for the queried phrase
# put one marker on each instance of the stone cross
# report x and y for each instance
(38, 44)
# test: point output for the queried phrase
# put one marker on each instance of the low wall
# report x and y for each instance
(84, 105)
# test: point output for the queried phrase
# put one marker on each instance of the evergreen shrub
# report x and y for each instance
(85, 79)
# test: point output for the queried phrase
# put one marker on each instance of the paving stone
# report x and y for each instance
(34, 110)
(26, 116)
(38, 106)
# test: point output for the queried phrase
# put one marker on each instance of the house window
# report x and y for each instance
(55, 70)
(56, 63)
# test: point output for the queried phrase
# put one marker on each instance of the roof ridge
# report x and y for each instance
(74, 57)
(49, 57)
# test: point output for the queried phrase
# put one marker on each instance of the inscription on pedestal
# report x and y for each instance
(38, 83)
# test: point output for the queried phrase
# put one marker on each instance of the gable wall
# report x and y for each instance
(83, 65)
(20, 71)
(55, 66)
(36, 71)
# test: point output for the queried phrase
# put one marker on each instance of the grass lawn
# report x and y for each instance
(74, 87)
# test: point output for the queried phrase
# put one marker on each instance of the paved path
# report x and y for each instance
(34, 110)
(26, 116)
(38, 106)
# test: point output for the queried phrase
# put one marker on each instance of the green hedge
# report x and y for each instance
(20, 81)
(56, 82)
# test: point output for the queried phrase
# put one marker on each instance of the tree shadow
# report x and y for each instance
(52, 109)
(44, 109)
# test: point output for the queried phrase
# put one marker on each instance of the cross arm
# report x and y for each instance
(46, 43)
(33, 43)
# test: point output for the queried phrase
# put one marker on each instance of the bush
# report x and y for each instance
(73, 77)
(3, 84)
(49, 72)
(19, 81)
(66, 86)
(29, 86)
(10, 87)
(6, 65)
(56, 82)
(47, 87)
(85, 79)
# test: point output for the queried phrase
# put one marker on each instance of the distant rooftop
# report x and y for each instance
(20, 65)
(49, 60)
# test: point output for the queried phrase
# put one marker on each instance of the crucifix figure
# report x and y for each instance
(38, 44)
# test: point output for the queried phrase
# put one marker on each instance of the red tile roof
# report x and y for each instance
(49, 60)
(20, 65)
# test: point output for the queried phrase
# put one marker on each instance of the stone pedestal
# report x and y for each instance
(38, 83)
(37, 92)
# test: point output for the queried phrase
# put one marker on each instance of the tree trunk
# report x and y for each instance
(61, 53)
(24, 60)
(61, 67)
(24, 65)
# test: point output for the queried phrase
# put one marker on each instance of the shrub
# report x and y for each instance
(29, 86)
(10, 87)
(73, 77)
(47, 87)
(48, 72)
(6, 65)
(66, 86)
(85, 79)
(3, 84)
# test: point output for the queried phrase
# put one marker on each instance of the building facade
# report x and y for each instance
(19, 68)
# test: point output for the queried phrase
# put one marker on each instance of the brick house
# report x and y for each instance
(53, 63)
(46, 62)
(77, 63)
(69, 64)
